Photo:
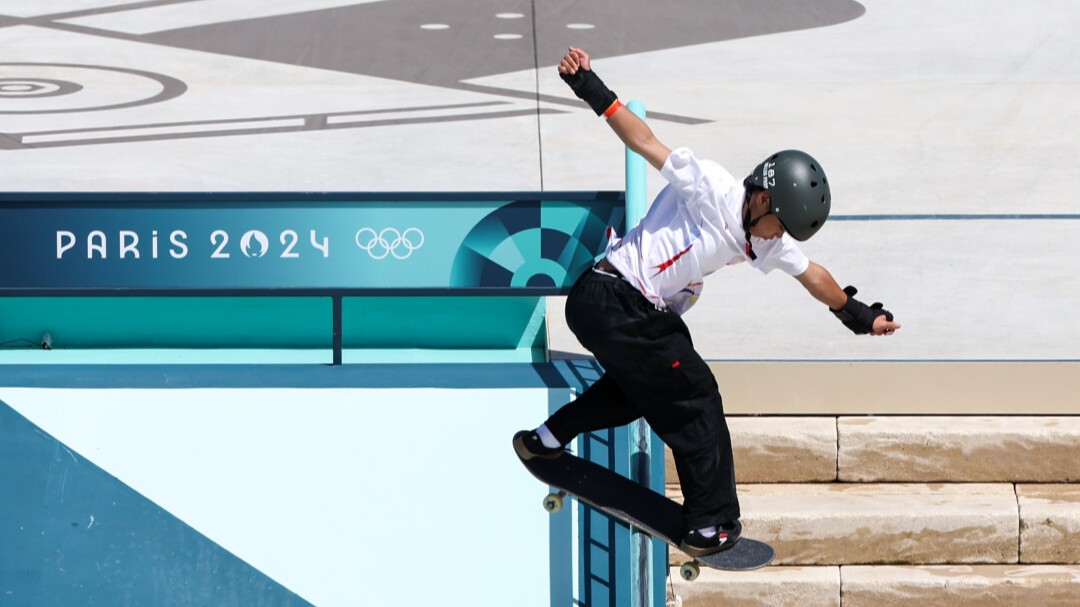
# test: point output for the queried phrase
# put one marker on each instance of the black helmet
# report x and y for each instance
(799, 190)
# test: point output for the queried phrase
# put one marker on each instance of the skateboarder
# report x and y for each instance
(627, 309)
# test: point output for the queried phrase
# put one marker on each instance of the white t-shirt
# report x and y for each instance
(694, 228)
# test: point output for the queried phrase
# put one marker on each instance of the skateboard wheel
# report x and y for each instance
(690, 571)
(553, 502)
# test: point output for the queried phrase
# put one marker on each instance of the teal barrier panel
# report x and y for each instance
(169, 322)
(520, 243)
(331, 255)
(444, 329)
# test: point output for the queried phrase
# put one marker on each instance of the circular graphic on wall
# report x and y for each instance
(524, 244)
(52, 88)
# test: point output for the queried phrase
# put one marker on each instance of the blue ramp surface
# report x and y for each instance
(75, 535)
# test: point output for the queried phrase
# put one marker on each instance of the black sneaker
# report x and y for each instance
(528, 445)
(695, 544)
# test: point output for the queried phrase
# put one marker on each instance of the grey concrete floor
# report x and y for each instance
(923, 114)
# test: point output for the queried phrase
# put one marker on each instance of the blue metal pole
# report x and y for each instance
(649, 557)
(635, 176)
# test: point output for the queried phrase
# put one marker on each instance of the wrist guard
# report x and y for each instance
(591, 89)
(858, 316)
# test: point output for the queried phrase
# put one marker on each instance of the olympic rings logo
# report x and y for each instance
(389, 241)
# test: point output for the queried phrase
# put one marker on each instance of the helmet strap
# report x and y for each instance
(748, 224)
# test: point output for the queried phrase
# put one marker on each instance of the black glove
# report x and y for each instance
(858, 316)
(591, 89)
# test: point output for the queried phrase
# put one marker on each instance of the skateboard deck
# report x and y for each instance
(638, 506)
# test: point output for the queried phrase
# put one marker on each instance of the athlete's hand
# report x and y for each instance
(574, 60)
(884, 326)
(857, 316)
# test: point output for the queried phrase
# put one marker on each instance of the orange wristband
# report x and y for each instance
(614, 107)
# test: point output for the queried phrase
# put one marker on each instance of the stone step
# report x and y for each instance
(903, 449)
(848, 524)
(959, 449)
(883, 586)
(768, 587)
(960, 586)
(778, 450)
(1049, 524)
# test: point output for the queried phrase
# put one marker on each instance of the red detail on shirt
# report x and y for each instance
(667, 264)
(676, 365)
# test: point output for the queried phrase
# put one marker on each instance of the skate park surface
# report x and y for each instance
(946, 138)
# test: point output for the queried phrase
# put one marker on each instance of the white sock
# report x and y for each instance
(547, 438)
(708, 531)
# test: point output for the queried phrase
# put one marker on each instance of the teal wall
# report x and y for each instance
(170, 322)
(450, 322)
(256, 497)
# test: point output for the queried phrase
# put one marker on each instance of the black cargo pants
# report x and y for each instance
(652, 371)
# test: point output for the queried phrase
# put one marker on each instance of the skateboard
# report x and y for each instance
(639, 507)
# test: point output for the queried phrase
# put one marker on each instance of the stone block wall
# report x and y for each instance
(903, 511)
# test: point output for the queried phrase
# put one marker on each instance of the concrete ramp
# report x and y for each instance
(269, 497)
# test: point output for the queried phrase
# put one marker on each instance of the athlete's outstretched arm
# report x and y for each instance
(633, 131)
(857, 316)
(638, 137)
(820, 283)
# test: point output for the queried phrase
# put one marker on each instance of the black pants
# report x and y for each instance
(652, 371)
